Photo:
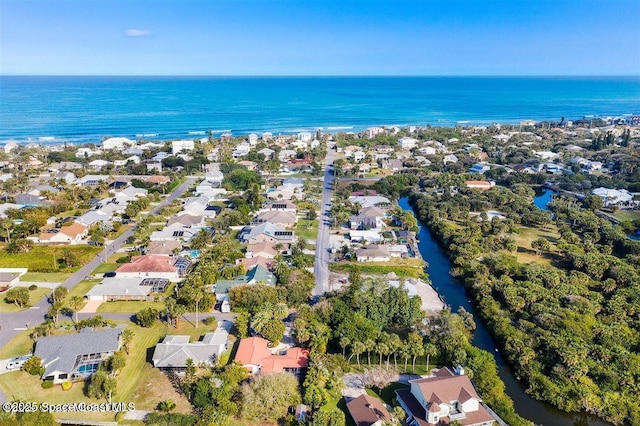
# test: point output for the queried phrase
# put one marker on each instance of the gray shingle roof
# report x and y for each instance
(59, 353)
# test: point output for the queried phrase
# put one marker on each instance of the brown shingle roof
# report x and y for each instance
(367, 410)
(73, 230)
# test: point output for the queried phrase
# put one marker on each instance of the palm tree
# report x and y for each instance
(357, 348)
(261, 318)
(394, 344)
(344, 342)
(7, 225)
(430, 350)
(383, 349)
(127, 338)
(370, 345)
(76, 303)
(280, 311)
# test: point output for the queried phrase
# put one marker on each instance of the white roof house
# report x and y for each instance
(117, 143)
(612, 197)
(369, 200)
(174, 351)
(407, 143)
(181, 145)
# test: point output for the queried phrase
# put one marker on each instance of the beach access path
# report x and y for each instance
(321, 265)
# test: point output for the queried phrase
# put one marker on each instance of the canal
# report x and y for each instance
(454, 294)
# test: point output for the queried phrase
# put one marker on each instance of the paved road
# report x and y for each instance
(321, 265)
(14, 323)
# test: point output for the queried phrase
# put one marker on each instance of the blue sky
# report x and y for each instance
(332, 37)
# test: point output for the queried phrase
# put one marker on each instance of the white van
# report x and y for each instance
(17, 362)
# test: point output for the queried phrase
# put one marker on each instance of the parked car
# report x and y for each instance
(17, 362)
(110, 274)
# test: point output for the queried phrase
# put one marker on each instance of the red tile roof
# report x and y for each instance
(254, 351)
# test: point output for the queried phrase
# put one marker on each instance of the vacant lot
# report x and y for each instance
(47, 259)
(526, 235)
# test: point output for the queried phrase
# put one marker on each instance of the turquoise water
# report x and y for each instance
(86, 109)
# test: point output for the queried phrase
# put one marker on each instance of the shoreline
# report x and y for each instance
(331, 129)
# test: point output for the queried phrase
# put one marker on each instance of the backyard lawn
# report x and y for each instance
(34, 295)
(45, 258)
(22, 344)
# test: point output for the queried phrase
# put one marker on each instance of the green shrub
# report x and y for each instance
(33, 287)
(47, 384)
(210, 321)
(123, 259)
(66, 385)
(33, 366)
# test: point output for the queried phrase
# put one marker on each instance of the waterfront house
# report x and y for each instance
(256, 356)
(373, 253)
(76, 356)
(117, 143)
(441, 399)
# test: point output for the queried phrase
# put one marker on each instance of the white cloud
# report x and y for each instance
(137, 33)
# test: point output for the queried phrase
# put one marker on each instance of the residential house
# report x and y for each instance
(407, 143)
(368, 235)
(613, 197)
(368, 218)
(174, 351)
(29, 200)
(373, 253)
(181, 145)
(92, 180)
(441, 399)
(392, 164)
(372, 132)
(117, 143)
(450, 158)
(165, 247)
(73, 234)
(10, 277)
(367, 410)
(251, 165)
(284, 219)
(92, 217)
(123, 288)
(252, 139)
(10, 146)
(130, 193)
(76, 356)
(265, 250)
(242, 149)
(8, 206)
(482, 185)
(256, 356)
(286, 154)
(267, 152)
(283, 206)
(305, 136)
(268, 232)
(427, 150)
(370, 201)
(479, 168)
(175, 232)
(258, 275)
(199, 206)
(98, 164)
(150, 266)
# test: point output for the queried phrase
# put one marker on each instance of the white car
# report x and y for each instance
(17, 362)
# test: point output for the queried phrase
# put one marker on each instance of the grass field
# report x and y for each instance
(41, 258)
(526, 235)
(19, 345)
(106, 267)
(46, 277)
(412, 268)
(34, 296)
(627, 215)
(307, 229)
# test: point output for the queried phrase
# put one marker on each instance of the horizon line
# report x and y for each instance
(333, 75)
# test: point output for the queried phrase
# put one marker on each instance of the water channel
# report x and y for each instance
(454, 294)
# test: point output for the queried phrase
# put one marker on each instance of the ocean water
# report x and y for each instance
(87, 109)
